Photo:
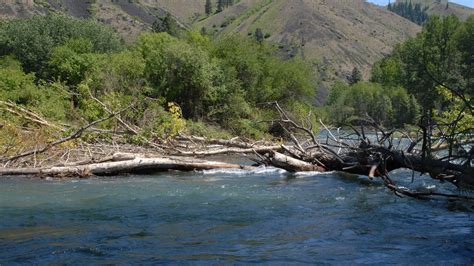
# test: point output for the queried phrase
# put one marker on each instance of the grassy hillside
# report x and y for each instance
(441, 7)
(128, 17)
(341, 34)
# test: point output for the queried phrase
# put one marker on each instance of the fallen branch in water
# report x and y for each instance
(123, 164)
(360, 156)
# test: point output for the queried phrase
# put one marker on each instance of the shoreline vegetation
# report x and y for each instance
(75, 102)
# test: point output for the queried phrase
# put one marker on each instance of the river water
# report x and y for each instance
(230, 217)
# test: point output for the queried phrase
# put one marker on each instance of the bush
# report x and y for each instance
(32, 40)
(179, 72)
(72, 61)
(16, 86)
(200, 128)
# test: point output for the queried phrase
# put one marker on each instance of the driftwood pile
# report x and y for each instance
(374, 155)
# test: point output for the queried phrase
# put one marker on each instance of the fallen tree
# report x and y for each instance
(356, 152)
(122, 163)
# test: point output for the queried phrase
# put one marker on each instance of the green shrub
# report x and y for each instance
(32, 40)
(50, 99)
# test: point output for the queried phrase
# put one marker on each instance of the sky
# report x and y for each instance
(469, 3)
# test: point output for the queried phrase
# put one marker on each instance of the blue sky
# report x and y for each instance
(469, 3)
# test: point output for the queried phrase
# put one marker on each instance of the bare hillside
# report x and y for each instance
(128, 17)
(339, 33)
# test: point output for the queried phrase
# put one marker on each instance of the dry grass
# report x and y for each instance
(342, 34)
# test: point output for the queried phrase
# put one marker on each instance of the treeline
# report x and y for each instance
(437, 67)
(427, 81)
(408, 10)
(60, 66)
(220, 5)
(389, 106)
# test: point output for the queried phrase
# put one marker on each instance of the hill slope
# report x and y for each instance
(128, 17)
(441, 7)
(339, 33)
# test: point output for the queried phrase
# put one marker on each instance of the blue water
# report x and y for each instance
(263, 216)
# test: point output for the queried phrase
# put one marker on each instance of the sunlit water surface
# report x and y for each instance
(266, 216)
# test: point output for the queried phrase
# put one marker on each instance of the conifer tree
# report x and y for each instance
(259, 35)
(408, 10)
(166, 24)
(220, 5)
(208, 7)
(356, 76)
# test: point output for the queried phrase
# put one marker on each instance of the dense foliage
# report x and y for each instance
(32, 40)
(428, 81)
(441, 55)
(389, 106)
(67, 69)
(437, 67)
(166, 24)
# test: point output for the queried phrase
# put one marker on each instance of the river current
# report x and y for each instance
(230, 217)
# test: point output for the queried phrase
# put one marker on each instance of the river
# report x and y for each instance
(230, 217)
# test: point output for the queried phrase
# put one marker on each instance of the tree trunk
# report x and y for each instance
(131, 165)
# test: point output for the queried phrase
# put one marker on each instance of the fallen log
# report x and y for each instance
(230, 150)
(291, 164)
(444, 146)
(128, 165)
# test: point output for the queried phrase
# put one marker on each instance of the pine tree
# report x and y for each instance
(220, 5)
(259, 36)
(413, 12)
(208, 7)
(356, 76)
(166, 24)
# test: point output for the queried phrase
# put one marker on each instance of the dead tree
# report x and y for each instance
(374, 155)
